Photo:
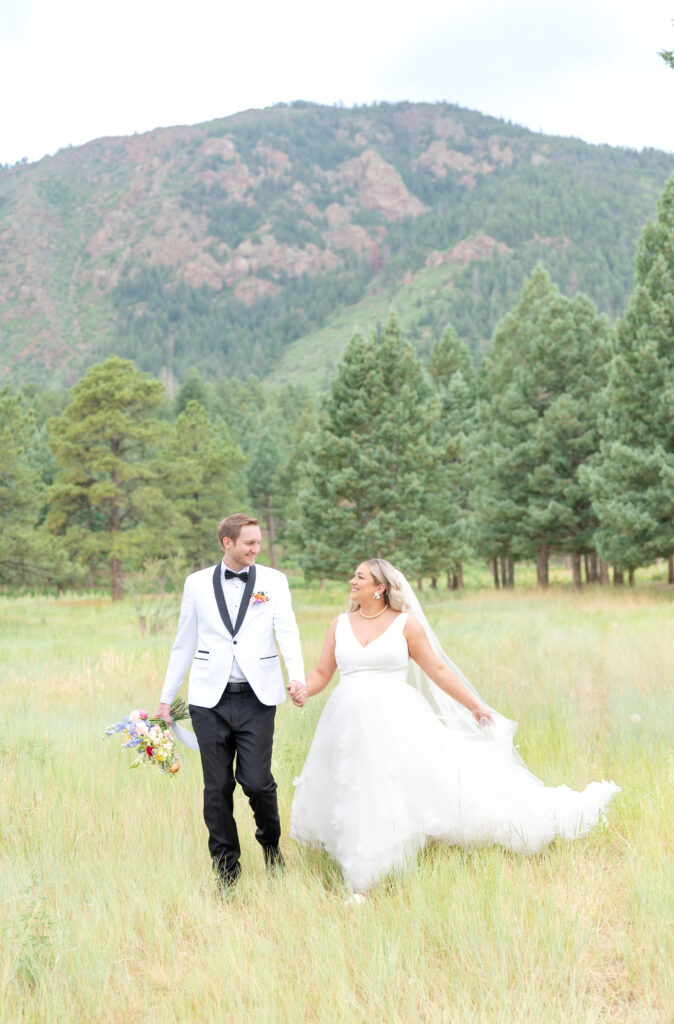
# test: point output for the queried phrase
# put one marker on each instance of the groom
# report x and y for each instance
(229, 616)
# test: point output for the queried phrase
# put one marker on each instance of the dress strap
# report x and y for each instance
(342, 621)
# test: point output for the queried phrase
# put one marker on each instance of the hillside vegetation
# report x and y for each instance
(259, 239)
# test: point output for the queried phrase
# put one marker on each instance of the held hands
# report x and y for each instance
(297, 692)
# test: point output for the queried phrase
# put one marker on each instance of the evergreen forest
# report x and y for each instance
(560, 443)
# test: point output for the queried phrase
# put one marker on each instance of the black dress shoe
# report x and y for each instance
(227, 877)
(273, 859)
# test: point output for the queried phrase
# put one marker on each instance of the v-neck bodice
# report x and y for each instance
(386, 654)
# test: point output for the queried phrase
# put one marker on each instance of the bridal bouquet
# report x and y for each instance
(151, 738)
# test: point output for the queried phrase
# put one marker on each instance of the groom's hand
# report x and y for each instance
(298, 692)
(164, 711)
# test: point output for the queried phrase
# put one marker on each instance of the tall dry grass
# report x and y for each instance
(107, 908)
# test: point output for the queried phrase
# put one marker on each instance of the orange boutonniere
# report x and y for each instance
(260, 597)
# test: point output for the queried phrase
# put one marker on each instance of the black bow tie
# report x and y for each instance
(229, 575)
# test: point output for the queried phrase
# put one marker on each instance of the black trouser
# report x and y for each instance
(240, 725)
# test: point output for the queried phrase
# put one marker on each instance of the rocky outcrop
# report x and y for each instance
(467, 251)
(250, 257)
(559, 244)
(379, 186)
(349, 236)
(250, 289)
(439, 159)
(499, 153)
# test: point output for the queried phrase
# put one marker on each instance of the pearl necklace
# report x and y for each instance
(375, 616)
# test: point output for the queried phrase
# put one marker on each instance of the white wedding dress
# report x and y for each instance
(384, 774)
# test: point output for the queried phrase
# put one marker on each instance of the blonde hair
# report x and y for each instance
(383, 572)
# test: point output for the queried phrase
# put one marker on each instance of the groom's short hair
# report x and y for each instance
(231, 526)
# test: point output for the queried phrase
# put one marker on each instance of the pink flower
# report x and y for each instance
(149, 751)
(142, 714)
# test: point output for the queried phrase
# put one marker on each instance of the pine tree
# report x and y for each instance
(192, 389)
(293, 478)
(201, 472)
(373, 462)
(538, 426)
(106, 488)
(449, 357)
(26, 556)
(243, 406)
(631, 479)
(454, 378)
(263, 485)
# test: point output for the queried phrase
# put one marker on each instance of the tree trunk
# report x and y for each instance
(511, 572)
(631, 577)
(455, 579)
(671, 568)
(90, 577)
(593, 576)
(603, 572)
(494, 571)
(542, 567)
(116, 580)
(586, 563)
(504, 573)
(576, 570)
(617, 577)
(434, 582)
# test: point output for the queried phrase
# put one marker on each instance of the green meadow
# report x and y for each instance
(108, 911)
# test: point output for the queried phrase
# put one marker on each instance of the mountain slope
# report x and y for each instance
(232, 246)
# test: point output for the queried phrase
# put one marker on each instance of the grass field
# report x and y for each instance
(108, 912)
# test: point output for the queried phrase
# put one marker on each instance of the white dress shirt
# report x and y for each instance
(233, 591)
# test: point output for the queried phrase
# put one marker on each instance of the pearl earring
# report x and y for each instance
(376, 596)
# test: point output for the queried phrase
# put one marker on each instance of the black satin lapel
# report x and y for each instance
(245, 600)
(220, 599)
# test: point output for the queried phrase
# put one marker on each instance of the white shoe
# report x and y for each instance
(355, 898)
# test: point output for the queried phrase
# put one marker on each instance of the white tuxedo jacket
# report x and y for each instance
(207, 641)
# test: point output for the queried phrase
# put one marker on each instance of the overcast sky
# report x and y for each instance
(76, 70)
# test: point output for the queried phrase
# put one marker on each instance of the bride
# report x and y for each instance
(393, 765)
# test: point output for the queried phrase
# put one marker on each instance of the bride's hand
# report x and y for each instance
(298, 693)
(482, 715)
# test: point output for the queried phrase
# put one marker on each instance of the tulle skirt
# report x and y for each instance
(384, 775)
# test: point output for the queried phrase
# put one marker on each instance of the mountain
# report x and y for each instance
(258, 243)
